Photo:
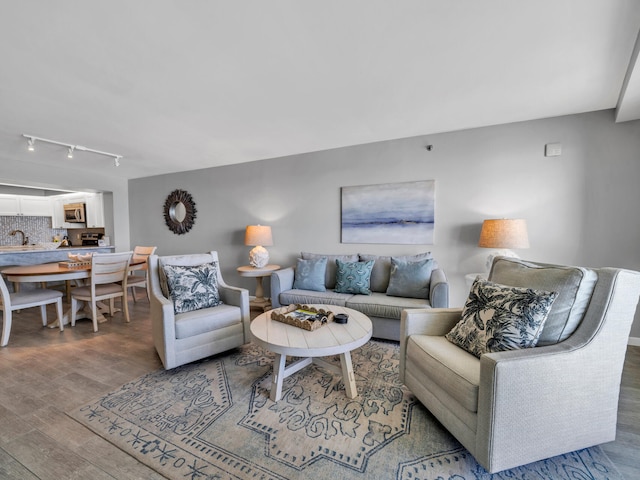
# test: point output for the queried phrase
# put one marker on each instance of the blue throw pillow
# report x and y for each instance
(410, 279)
(354, 277)
(310, 274)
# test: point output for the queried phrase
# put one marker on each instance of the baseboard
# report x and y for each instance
(635, 341)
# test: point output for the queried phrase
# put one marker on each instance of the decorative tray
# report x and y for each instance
(74, 264)
(302, 316)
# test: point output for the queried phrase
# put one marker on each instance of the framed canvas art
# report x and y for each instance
(394, 213)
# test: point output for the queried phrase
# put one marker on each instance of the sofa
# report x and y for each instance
(378, 286)
(552, 392)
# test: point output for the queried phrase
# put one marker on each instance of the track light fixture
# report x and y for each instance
(31, 139)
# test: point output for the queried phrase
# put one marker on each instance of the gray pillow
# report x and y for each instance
(574, 286)
(496, 318)
(382, 268)
(330, 274)
(193, 288)
(310, 274)
(410, 279)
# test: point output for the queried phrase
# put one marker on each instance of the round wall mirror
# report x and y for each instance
(179, 212)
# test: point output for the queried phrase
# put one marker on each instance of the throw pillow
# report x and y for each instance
(410, 279)
(310, 274)
(193, 288)
(353, 277)
(382, 268)
(330, 275)
(497, 318)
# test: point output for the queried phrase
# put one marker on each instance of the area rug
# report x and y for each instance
(214, 420)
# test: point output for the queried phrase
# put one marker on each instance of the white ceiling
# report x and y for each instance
(180, 85)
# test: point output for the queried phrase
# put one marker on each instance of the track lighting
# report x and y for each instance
(31, 147)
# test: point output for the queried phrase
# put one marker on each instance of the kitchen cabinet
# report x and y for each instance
(25, 205)
(94, 210)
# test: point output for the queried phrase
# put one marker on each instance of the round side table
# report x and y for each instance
(260, 301)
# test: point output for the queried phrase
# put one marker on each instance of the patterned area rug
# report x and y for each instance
(214, 420)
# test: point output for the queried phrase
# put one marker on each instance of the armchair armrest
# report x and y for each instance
(281, 281)
(163, 321)
(238, 297)
(439, 289)
(425, 321)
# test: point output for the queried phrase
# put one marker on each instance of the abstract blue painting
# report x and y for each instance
(395, 213)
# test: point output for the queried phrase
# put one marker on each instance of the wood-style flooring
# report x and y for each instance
(45, 373)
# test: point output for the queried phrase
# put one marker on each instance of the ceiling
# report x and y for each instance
(181, 85)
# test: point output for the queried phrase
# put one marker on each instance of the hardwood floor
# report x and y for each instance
(44, 373)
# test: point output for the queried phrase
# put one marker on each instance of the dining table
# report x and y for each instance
(60, 271)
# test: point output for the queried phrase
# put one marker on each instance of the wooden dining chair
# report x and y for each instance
(138, 277)
(109, 272)
(39, 297)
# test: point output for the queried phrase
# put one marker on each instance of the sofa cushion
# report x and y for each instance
(574, 285)
(382, 268)
(410, 278)
(193, 287)
(498, 317)
(309, 297)
(330, 274)
(353, 277)
(309, 274)
(196, 322)
(384, 306)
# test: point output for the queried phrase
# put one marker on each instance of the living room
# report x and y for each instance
(486, 151)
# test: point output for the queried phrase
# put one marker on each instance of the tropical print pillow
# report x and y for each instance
(497, 318)
(193, 288)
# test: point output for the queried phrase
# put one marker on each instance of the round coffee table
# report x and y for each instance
(331, 339)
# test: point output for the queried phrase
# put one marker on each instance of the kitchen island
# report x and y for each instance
(33, 255)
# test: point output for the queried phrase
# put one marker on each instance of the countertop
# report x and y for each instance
(4, 249)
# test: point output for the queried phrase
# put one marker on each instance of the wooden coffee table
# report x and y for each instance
(330, 339)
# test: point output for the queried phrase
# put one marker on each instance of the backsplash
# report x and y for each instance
(38, 229)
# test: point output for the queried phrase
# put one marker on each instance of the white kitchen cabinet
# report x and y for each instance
(94, 210)
(25, 205)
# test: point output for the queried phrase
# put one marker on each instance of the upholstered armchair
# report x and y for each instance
(514, 407)
(194, 313)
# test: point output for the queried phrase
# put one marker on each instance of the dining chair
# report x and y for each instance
(136, 279)
(39, 297)
(108, 280)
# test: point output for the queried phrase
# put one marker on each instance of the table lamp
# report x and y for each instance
(503, 234)
(258, 236)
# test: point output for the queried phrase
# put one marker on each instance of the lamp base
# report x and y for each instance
(258, 257)
(499, 253)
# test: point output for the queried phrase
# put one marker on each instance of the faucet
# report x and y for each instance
(25, 239)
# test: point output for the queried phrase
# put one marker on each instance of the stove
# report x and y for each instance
(90, 239)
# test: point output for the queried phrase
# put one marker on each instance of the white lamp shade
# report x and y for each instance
(504, 233)
(258, 235)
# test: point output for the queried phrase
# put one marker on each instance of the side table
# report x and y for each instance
(260, 301)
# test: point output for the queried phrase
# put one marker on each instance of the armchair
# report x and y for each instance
(515, 407)
(190, 335)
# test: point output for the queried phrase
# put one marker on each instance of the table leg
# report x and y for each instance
(260, 301)
(278, 376)
(347, 375)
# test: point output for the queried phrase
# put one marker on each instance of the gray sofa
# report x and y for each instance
(511, 407)
(384, 310)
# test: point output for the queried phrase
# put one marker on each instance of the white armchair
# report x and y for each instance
(184, 337)
(515, 407)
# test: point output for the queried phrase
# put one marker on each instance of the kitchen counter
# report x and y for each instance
(33, 254)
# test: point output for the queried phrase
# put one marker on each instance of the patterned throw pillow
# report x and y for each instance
(353, 277)
(193, 288)
(310, 274)
(497, 318)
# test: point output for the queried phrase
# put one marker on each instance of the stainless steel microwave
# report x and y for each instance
(74, 213)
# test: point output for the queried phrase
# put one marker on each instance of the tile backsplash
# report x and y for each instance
(38, 229)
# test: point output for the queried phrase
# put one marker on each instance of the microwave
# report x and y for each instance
(74, 213)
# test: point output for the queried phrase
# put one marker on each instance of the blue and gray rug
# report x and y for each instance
(214, 420)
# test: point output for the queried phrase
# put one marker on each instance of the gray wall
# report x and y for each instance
(581, 207)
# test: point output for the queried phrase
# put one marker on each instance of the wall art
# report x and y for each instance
(394, 213)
